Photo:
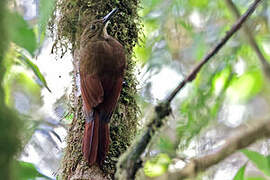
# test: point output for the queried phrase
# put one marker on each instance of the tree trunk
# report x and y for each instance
(74, 17)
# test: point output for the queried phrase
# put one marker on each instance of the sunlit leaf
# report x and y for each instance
(142, 53)
(21, 33)
(21, 84)
(240, 175)
(27, 171)
(157, 166)
(198, 3)
(46, 8)
(8, 62)
(246, 86)
(151, 25)
(220, 80)
(261, 161)
(149, 5)
(247, 53)
(255, 178)
(35, 69)
(18, 79)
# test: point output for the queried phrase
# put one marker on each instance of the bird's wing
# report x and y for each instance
(118, 51)
(92, 91)
(112, 88)
(107, 107)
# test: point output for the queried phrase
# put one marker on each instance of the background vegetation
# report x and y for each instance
(231, 91)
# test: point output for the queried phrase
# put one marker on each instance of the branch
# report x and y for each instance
(214, 51)
(131, 161)
(251, 40)
(245, 135)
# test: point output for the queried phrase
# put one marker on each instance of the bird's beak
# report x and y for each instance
(109, 16)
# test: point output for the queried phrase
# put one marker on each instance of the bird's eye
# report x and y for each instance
(93, 27)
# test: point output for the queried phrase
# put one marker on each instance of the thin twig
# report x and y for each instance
(244, 136)
(130, 162)
(251, 40)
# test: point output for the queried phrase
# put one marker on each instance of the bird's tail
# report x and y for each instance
(96, 140)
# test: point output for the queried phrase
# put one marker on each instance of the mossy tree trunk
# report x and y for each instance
(75, 15)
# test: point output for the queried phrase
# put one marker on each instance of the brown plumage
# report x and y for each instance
(102, 64)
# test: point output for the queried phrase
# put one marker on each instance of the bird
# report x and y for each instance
(101, 67)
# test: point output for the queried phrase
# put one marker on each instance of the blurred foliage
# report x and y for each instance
(46, 8)
(15, 84)
(166, 145)
(24, 36)
(28, 171)
(157, 165)
(260, 161)
(240, 175)
(9, 122)
(27, 41)
(246, 86)
(34, 68)
(21, 33)
(18, 79)
(178, 34)
(254, 178)
(202, 105)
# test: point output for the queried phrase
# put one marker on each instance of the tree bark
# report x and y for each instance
(125, 26)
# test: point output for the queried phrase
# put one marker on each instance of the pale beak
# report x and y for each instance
(109, 16)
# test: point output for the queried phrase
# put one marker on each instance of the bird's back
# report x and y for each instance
(104, 57)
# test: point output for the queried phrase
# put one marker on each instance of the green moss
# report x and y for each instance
(75, 15)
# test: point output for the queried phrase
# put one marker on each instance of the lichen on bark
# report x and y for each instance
(71, 17)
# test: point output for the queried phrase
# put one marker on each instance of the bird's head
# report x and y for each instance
(98, 27)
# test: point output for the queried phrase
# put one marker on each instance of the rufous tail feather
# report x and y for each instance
(96, 140)
(104, 141)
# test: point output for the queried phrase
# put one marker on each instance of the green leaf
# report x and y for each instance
(21, 34)
(35, 69)
(246, 86)
(255, 178)
(157, 166)
(240, 175)
(259, 160)
(28, 171)
(200, 4)
(149, 5)
(220, 79)
(46, 8)
(143, 53)
(199, 46)
(166, 145)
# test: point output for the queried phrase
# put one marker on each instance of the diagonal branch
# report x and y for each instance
(131, 161)
(251, 40)
(244, 136)
(215, 50)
